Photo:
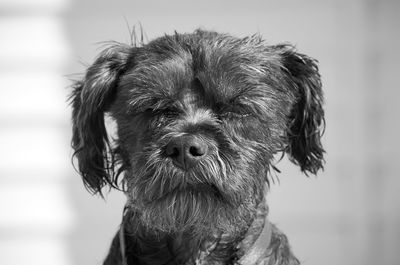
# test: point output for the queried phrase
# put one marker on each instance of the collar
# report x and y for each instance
(121, 234)
(257, 240)
(255, 244)
(259, 248)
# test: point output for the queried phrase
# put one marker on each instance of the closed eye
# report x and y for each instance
(232, 114)
(168, 111)
(232, 110)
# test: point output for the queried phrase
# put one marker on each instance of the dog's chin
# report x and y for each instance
(201, 201)
(201, 210)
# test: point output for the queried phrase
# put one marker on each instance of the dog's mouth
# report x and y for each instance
(192, 190)
(201, 188)
(198, 208)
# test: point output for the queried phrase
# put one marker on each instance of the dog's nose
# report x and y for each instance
(186, 150)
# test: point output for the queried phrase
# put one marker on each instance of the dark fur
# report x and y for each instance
(246, 100)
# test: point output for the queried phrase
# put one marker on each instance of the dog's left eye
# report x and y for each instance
(232, 110)
(234, 114)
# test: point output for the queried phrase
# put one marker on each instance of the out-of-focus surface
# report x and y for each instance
(349, 214)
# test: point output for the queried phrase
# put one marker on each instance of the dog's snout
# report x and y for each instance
(186, 150)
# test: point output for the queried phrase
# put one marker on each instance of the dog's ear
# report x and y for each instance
(90, 99)
(306, 120)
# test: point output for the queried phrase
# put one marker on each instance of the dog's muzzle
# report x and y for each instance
(186, 151)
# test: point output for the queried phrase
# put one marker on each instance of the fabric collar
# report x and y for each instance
(121, 235)
(258, 249)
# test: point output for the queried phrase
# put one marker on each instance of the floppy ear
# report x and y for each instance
(90, 99)
(306, 120)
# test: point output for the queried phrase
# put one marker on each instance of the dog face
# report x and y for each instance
(200, 117)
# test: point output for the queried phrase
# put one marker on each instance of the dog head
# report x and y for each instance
(199, 118)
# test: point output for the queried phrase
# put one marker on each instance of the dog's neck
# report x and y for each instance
(247, 246)
(184, 248)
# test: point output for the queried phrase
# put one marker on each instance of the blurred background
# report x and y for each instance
(349, 214)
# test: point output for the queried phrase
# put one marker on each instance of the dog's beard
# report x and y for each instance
(204, 201)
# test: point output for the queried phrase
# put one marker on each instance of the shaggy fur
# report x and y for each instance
(200, 117)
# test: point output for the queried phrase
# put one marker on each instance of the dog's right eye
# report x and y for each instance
(166, 112)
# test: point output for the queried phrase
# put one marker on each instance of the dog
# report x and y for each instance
(200, 119)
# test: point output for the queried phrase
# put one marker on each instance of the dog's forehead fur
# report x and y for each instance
(215, 71)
